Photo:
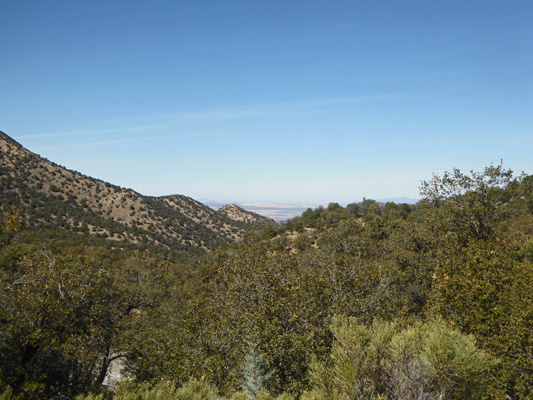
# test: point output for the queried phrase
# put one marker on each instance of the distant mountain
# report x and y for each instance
(58, 203)
(237, 213)
(215, 205)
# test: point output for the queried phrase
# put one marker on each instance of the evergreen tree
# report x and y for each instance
(255, 372)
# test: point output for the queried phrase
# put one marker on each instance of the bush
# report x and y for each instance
(145, 391)
(426, 361)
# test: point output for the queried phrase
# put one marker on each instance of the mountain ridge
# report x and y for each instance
(53, 198)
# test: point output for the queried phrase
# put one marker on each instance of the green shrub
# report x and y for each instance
(196, 390)
(90, 396)
(7, 394)
(145, 391)
(426, 361)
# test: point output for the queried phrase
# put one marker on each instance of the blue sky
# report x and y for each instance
(280, 101)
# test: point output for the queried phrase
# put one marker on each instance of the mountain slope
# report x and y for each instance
(58, 202)
(247, 219)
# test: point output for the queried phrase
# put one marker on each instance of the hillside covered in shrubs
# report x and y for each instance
(60, 204)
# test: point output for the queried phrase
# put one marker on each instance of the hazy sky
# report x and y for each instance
(270, 101)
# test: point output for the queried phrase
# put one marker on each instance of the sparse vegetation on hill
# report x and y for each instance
(247, 219)
(62, 204)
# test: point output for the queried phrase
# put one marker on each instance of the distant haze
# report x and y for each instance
(276, 212)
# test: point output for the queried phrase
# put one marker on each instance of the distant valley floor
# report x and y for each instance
(278, 212)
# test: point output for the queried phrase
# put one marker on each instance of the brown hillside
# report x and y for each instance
(236, 213)
(54, 199)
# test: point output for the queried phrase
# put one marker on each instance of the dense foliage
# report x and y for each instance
(367, 301)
